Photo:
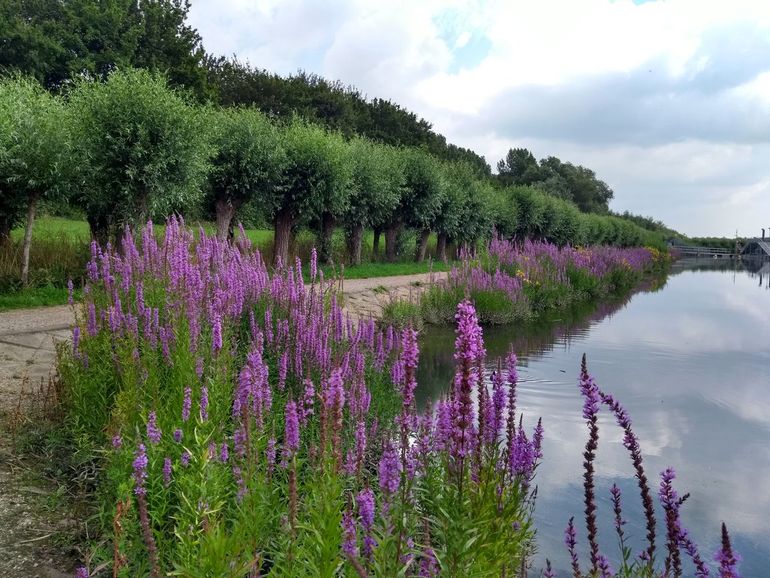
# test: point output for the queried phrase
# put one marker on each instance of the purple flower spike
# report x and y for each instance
(204, 406)
(153, 431)
(727, 559)
(548, 572)
(187, 403)
(389, 470)
(140, 470)
(82, 572)
(291, 433)
(166, 471)
(570, 539)
(349, 538)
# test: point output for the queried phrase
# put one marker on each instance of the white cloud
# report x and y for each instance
(665, 99)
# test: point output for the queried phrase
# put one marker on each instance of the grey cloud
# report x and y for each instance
(648, 106)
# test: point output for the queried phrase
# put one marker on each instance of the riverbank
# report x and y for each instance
(514, 283)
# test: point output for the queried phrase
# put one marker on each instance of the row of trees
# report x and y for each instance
(55, 42)
(130, 148)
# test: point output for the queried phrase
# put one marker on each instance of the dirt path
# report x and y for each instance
(30, 528)
(366, 298)
(32, 520)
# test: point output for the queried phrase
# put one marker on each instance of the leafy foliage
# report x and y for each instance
(139, 147)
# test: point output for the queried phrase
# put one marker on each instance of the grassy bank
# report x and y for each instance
(511, 283)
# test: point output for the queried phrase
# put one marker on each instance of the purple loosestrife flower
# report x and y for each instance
(82, 572)
(216, 335)
(140, 469)
(308, 402)
(570, 539)
(204, 405)
(701, 570)
(366, 511)
(91, 326)
(349, 538)
(283, 370)
(291, 434)
(117, 441)
(153, 431)
(178, 435)
(591, 401)
(186, 403)
(270, 451)
(409, 357)
(166, 471)
(537, 440)
(670, 501)
(70, 292)
(617, 510)
(604, 567)
(76, 341)
(389, 470)
(224, 453)
(727, 559)
(185, 459)
(469, 351)
(429, 566)
(548, 571)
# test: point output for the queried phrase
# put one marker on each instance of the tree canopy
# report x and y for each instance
(139, 147)
(561, 179)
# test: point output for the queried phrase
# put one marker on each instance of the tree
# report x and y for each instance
(376, 185)
(519, 167)
(59, 41)
(33, 148)
(139, 149)
(314, 181)
(248, 157)
(420, 203)
(167, 44)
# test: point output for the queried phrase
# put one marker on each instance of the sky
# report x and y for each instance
(667, 100)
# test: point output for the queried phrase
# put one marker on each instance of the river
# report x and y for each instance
(690, 360)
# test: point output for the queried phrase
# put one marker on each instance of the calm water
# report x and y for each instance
(691, 362)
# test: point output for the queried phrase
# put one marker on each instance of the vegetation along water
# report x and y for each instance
(242, 424)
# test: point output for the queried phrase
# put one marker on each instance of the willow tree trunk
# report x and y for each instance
(376, 243)
(225, 211)
(282, 227)
(28, 240)
(328, 222)
(354, 238)
(441, 247)
(100, 229)
(422, 245)
(391, 242)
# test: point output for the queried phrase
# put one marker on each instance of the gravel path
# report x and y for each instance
(27, 353)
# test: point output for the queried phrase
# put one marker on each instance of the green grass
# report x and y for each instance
(33, 297)
(370, 270)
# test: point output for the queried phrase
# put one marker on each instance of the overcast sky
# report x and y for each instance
(668, 101)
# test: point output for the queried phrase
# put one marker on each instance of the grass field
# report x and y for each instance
(60, 251)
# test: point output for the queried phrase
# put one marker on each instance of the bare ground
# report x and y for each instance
(34, 525)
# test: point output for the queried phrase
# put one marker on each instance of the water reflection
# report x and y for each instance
(691, 363)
